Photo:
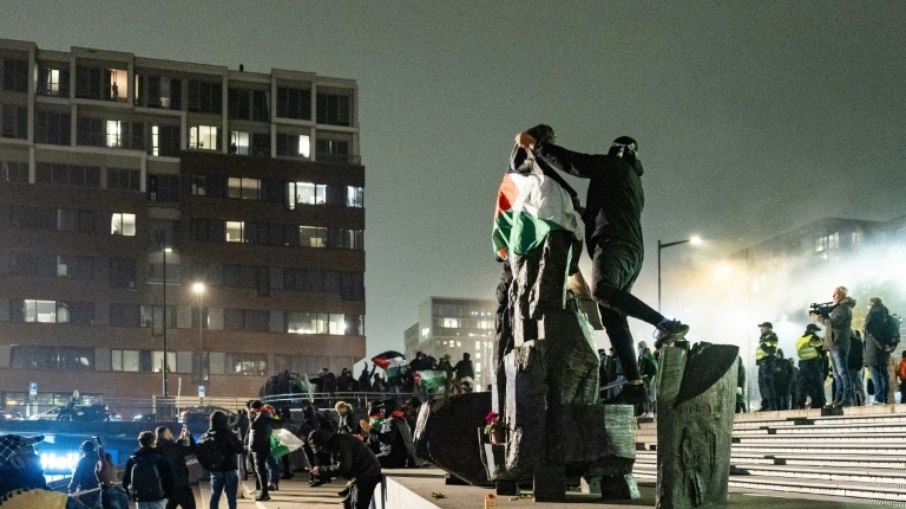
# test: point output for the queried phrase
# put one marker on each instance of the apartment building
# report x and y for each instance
(160, 213)
(456, 326)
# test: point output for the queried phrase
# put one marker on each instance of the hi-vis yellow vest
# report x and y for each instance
(807, 347)
(765, 349)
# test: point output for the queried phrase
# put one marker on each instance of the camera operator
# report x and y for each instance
(838, 322)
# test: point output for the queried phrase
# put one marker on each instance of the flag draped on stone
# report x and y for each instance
(529, 206)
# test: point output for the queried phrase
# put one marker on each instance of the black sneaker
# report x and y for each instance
(264, 497)
(670, 331)
(630, 395)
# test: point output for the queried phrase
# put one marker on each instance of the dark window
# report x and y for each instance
(15, 122)
(80, 313)
(124, 179)
(332, 151)
(333, 109)
(164, 233)
(294, 103)
(163, 92)
(75, 267)
(252, 320)
(240, 104)
(352, 286)
(15, 75)
(51, 357)
(68, 175)
(90, 131)
(205, 97)
(163, 188)
(15, 171)
(53, 81)
(52, 127)
(211, 230)
(199, 185)
(34, 264)
(164, 140)
(261, 145)
(290, 145)
(122, 273)
(88, 82)
(28, 218)
(124, 315)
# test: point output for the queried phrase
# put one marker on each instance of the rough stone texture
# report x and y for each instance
(446, 434)
(694, 436)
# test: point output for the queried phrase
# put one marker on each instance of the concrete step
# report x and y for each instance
(832, 474)
(824, 439)
(893, 463)
(824, 428)
(781, 449)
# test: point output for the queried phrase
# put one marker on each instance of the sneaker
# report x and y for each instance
(262, 498)
(670, 331)
(630, 395)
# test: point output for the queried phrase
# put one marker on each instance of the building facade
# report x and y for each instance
(448, 326)
(124, 180)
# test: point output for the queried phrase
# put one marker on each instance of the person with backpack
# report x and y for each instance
(176, 451)
(217, 452)
(877, 347)
(148, 477)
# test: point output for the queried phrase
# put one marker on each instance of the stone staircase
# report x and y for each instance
(859, 456)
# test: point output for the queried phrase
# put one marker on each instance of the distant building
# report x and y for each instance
(454, 327)
(253, 182)
(867, 256)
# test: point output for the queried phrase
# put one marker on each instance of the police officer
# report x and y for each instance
(767, 357)
(811, 366)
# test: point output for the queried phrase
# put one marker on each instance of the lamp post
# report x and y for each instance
(694, 240)
(164, 369)
(198, 288)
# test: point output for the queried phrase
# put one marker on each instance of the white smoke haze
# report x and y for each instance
(725, 298)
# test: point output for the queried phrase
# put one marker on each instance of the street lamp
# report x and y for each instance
(166, 250)
(198, 288)
(694, 240)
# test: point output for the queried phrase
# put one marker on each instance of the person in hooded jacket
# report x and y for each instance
(351, 459)
(838, 324)
(84, 476)
(224, 477)
(262, 426)
(877, 356)
(312, 420)
(176, 451)
(613, 236)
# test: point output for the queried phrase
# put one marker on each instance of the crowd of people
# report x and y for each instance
(857, 362)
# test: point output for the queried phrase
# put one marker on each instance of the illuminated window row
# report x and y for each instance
(274, 234)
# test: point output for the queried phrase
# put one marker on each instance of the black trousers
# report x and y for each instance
(181, 496)
(615, 267)
(259, 461)
(361, 492)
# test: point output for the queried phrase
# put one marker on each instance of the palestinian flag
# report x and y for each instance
(530, 205)
(431, 379)
(391, 361)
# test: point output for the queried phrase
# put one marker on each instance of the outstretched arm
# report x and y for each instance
(574, 163)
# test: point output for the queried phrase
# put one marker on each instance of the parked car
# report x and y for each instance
(83, 413)
(197, 418)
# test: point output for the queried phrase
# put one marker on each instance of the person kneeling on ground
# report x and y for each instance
(351, 459)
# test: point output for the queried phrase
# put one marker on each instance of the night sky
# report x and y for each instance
(753, 118)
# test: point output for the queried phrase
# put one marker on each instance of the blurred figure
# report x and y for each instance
(877, 353)
(176, 451)
(224, 477)
(84, 475)
(351, 459)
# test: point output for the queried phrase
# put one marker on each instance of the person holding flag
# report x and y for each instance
(395, 366)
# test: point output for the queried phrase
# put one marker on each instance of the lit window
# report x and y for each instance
(157, 361)
(450, 323)
(115, 133)
(203, 137)
(306, 193)
(312, 236)
(244, 188)
(155, 140)
(355, 196)
(122, 224)
(239, 143)
(119, 85)
(40, 311)
(304, 145)
(234, 231)
(52, 85)
(336, 324)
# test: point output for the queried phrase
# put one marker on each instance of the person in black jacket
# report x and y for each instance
(225, 477)
(176, 451)
(352, 459)
(84, 476)
(262, 426)
(147, 451)
(613, 235)
(877, 350)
